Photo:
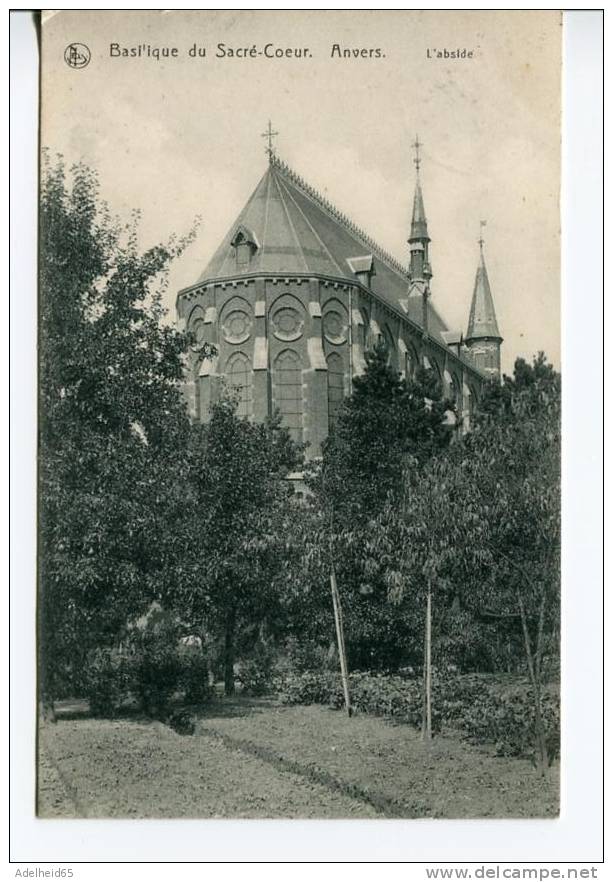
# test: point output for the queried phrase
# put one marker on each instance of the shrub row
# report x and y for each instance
(508, 721)
(152, 676)
(483, 714)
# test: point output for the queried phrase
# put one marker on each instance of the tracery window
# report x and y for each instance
(336, 388)
(240, 379)
(287, 318)
(287, 391)
(335, 322)
(236, 321)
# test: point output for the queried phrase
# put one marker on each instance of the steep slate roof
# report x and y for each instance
(299, 231)
(482, 319)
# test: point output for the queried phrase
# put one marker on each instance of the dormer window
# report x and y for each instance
(454, 340)
(363, 268)
(245, 245)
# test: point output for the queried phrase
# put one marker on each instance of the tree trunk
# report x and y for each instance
(46, 710)
(423, 691)
(205, 646)
(340, 636)
(534, 671)
(540, 726)
(228, 656)
(427, 720)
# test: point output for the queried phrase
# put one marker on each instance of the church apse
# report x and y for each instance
(295, 295)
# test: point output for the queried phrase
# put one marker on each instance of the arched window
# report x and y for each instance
(336, 388)
(365, 335)
(287, 391)
(391, 346)
(472, 402)
(408, 365)
(468, 408)
(452, 389)
(431, 364)
(240, 379)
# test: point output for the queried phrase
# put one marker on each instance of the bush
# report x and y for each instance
(310, 687)
(388, 695)
(154, 668)
(256, 671)
(156, 675)
(483, 714)
(508, 721)
(393, 695)
(107, 681)
(194, 677)
(182, 722)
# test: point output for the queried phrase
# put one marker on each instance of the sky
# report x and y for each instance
(180, 137)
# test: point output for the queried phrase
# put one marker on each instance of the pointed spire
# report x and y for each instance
(419, 224)
(482, 320)
(419, 264)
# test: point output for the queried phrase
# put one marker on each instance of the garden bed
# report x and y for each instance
(256, 759)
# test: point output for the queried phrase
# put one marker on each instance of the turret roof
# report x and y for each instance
(299, 231)
(482, 320)
(419, 224)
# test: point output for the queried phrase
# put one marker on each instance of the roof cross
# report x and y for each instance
(416, 145)
(481, 240)
(270, 135)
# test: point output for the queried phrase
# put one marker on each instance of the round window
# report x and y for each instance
(287, 323)
(335, 327)
(237, 326)
(197, 327)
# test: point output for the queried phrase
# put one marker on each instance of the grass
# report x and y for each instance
(254, 759)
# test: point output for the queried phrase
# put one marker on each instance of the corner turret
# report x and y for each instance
(483, 338)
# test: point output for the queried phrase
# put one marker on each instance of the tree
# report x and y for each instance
(517, 448)
(387, 425)
(483, 521)
(113, 426)
(385, 420)
(239, 505)
(421, 548)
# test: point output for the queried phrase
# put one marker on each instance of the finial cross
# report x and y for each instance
(481, 240)
(416, 145)
(270, 135)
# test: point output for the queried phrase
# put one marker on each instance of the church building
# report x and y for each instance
(296, 293)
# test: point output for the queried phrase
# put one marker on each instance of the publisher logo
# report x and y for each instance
(77, 55)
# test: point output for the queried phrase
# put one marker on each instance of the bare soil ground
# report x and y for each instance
(254, 759)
